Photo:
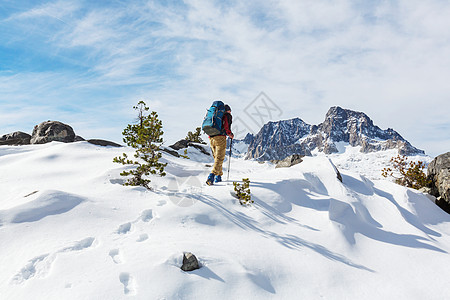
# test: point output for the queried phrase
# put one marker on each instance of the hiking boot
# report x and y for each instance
(210, 180)
(218, 179)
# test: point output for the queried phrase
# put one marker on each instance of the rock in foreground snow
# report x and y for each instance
(190, 262)
(439, 173)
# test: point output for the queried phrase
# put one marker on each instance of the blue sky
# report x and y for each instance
(86, 63)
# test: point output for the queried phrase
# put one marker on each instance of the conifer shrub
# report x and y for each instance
(243, 191)
(407, 173)
(146, 137)
(185, 155)
(195, 137)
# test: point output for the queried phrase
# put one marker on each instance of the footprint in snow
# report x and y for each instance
(116, 256)
(142, 237)
(40, 265)
(124, 228)
(128, 283)
(147, 215)
(80, 245)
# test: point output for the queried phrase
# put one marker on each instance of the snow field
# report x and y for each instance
(70, 230)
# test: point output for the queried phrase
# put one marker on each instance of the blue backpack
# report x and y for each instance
(212, 124)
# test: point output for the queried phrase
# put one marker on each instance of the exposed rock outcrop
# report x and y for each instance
(170, 151)
(288, 161)
(439, 173)
(15, 139)
(50, 131)
(182, 144)
(103, 143)
(338, 174)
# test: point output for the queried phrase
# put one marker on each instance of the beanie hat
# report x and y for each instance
(227, 107)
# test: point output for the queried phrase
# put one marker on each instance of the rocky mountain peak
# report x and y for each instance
(339, 118)
(344, 125)
(277, 140)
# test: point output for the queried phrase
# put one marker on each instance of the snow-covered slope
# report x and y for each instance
(70, 230)
(370, 164)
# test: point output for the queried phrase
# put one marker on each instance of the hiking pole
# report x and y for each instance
(229, 160)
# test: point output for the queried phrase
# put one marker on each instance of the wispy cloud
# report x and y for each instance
(388, 58)
(58, 10)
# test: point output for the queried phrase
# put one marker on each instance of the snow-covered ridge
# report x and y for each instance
(70, 230)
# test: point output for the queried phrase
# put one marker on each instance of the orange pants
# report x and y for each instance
(218, 147)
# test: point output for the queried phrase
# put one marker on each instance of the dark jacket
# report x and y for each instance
(226, 124)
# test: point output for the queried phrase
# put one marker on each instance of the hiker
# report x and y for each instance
(219, 145)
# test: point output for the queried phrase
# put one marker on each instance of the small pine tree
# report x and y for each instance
(145, 137)
(185, 155)
(195, 137)
(243, 192)
(411, 173)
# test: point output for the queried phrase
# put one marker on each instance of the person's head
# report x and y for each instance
(227, 108)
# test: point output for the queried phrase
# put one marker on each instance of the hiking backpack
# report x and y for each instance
(212, 124)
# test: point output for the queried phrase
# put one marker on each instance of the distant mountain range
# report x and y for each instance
(277, 140)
